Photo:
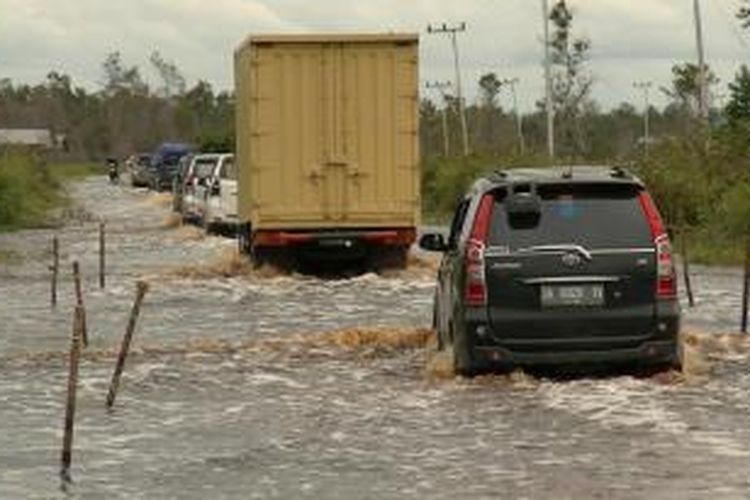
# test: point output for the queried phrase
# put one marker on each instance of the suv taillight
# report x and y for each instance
(476, 284)
(666, 280)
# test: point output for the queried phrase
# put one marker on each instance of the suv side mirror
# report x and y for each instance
(433, 242)
(215, 187)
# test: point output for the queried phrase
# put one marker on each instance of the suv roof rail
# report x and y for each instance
(499, 174)
(619, 173)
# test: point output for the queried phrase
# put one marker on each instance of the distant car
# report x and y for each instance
(196, 179)
(140, 173)
(556, 266)
(220, 213)
(165, 164)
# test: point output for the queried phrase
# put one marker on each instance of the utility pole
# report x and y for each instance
(440, 87)
(702, 80)
(548, 83)
(512, 82)
(452, 31)
(645, 87)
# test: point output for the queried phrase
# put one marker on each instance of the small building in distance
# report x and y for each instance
(36, 138)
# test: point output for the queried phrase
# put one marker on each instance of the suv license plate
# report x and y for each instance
(572, 296)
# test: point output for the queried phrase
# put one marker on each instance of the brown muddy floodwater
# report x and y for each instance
(237, 387)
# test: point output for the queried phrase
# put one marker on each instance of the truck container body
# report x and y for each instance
(327, 144)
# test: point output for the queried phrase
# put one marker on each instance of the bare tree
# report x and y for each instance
(173, 83)
(571, 82)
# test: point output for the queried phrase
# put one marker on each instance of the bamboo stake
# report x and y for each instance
(102, 255)
(79, 303)
(70, 407)
(55, 269)
(686, 268)
(746, 288)
(141, 290)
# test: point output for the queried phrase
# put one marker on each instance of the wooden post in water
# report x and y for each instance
(55, 269)
(79, 303)
(102, 252)
(746, 288)
(141, 290)
(70, 407)
(686, 268)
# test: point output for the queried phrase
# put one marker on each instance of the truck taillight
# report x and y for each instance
(666, 279)
(476, 282)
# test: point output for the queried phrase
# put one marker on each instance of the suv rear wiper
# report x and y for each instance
(557, 248)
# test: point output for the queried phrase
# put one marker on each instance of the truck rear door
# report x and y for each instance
(290, 122)
(334, 133)
(376, 133)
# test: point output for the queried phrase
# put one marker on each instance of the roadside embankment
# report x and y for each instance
(30, 189)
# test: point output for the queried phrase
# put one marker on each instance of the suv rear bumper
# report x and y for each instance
(662, 351)
(657, 346)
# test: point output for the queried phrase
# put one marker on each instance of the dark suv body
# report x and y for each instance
(556, 266)
(165, 162)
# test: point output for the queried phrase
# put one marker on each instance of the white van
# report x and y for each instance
(194, 191)
(220, 212)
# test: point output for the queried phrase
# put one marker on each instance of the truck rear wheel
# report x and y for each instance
(279, 258)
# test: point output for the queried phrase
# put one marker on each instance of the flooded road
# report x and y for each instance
(235, 391)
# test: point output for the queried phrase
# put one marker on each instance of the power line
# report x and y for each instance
(512, 82)
(548, 82)
(702, 79)
(452, 31)
(440, 87)
(645, 87)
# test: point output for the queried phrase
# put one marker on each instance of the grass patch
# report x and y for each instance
(75, 171)
(713, 251)
(710, 246)
(28, 191)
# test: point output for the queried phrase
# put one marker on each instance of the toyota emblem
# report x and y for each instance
(571, 259)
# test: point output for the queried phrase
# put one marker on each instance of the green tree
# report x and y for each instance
(738, 107)
(685, 89)
(488, 116)
(744, 14)
(489, 88)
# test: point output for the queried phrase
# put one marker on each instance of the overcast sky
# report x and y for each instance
(632, 39)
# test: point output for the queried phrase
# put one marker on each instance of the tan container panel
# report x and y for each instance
(288, 120)
(380, 130)
(327, 132)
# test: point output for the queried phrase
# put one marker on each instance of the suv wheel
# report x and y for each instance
(463, 362)
(678, 361)
(436, 326)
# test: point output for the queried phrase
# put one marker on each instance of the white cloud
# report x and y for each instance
(632, 39)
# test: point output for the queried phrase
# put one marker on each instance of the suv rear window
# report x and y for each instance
(594, 216)
(204, 167)
(227, 170)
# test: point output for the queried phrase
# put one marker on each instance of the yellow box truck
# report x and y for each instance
(327, 147)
